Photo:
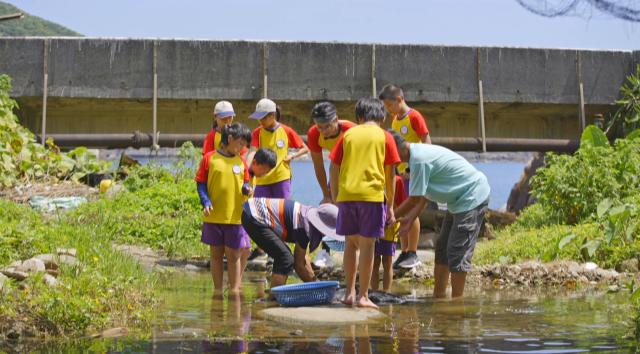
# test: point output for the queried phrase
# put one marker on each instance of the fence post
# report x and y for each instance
(45, 90)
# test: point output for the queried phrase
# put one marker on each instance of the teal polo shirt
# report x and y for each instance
(443, 176)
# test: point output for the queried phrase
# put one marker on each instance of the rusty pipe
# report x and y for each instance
(140, 139)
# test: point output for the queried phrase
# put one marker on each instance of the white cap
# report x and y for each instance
(264, 107)
(223, 109)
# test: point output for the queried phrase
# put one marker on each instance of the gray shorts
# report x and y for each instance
(458, 238)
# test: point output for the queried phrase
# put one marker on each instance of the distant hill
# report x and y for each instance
(30, 25)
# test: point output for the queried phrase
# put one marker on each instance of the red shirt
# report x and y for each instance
(313, 137)
(401, 192)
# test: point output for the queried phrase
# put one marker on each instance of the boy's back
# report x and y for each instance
(362, 154)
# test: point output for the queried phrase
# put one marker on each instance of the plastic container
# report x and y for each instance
(306, 294)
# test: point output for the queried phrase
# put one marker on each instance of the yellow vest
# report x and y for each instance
(224, 185)
(362, 176)
(277, 141)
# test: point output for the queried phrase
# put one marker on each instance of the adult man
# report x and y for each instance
(439, 174)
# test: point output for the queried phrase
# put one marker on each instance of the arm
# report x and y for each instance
(204, 198)
(408, 211)
(321, 176)
(334, 175)
(298, 153)
(302, 264)
(390, 187)
(426, 138)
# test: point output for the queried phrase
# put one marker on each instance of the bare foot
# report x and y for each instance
(366, 303)
(348, 300)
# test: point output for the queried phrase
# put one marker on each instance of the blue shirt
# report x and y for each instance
(441, 175)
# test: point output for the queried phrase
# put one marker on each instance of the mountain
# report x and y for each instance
(30, 25)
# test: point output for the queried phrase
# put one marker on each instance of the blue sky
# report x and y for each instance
(449, 22)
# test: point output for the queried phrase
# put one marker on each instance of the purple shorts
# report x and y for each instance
(229, 235)
(280, 190)
(385, 248)
(361, 218)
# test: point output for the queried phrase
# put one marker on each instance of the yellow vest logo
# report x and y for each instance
(236, 169)
(280, 144)
(404, 130)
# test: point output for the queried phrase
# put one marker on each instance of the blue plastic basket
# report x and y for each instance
(306, 294)
(335, 245)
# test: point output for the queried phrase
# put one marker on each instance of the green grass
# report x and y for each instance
(107, 289)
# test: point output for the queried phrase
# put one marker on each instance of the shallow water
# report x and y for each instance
(191, 320)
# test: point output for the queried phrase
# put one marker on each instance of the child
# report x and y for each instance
(223, 177)
(413, 128)
(362, 174)
(278, 137)
(386, 246)
(324, 135)
(274, 223)
(223, 115)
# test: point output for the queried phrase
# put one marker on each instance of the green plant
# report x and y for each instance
(23, 160)
(627, 118)
(570, 187)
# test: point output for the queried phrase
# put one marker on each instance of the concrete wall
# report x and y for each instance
(106, 85)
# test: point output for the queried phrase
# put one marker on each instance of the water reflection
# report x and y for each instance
(193, 320)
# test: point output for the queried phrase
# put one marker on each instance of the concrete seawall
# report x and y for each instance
(107, 85)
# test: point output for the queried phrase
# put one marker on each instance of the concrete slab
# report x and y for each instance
(321, 315)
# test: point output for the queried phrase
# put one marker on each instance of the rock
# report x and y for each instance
(32, 265)
(15, 264)
(114, 332)
(50, 280)
(23, 286)
(629, 266)
(53, 272)
(67, 260)
(15, 274)
(192, 268)
(613, 288)
(49, 260)
(321, 315)
(297, 332)
(67, 251)
(590, 266)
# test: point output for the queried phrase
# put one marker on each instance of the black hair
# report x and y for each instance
(324, 112)
(370, 109)
(390, 92)
(278, 113)
(397, 138)
(237, 131)
(266, 156)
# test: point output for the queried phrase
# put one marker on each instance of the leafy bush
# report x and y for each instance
(627, 117)
(22, 159)
(570, 187)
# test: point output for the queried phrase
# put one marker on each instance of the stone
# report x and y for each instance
(49, 260)
(321, 315)
(629, 266)
(590, 266)
(67, 251)
(53, 272)
(114, 332)
(192, 268)
(32, 265)
(15, 274)
(50, 280)
(297, 332)
(67, 260)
